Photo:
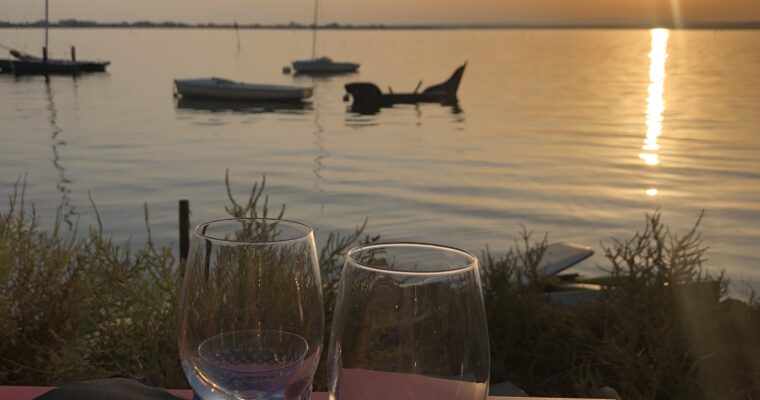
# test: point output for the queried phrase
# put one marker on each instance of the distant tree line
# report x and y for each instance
(75, 23)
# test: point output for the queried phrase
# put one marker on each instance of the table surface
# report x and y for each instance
(30, 392)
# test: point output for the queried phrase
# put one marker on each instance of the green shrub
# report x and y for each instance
(81, 306)
(657, 331)
(76, 307)
(85, 307)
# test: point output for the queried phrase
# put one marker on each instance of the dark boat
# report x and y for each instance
(25, 64)
(367, 96)
(53, 67)
(322, 66)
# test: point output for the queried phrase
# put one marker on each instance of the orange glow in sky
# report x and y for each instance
(393, 11)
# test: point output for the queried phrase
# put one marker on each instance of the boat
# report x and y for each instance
(25, 64)
(224, 89)
(321, 65)
(368, 97)
(50, 67)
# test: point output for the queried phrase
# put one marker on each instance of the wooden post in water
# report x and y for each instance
(184, 229)
(73, 54)
(45, 49)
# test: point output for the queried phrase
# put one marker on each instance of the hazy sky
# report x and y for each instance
(389, 11)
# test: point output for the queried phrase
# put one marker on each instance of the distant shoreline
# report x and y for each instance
(334, 26)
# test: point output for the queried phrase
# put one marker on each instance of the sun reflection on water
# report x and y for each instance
(655, 99)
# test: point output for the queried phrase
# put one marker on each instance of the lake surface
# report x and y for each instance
(577, 133)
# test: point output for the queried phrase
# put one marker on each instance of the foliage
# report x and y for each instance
(82, 307)
(657, 331)
(330, 256)
(76, 306)
(85, 307)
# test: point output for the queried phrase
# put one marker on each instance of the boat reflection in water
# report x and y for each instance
(245, 107)
(374, 109)
(68, 213)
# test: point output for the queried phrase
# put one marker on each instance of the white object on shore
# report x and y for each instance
(224, 89)
(561, 256)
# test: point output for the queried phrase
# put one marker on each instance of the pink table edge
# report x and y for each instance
(30, 392)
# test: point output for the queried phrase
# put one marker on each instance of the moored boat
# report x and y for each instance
(224, 89)
(25, 64)
(367, 97)
(42, 67)
(323, 65)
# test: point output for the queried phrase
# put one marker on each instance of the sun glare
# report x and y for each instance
(655, 99)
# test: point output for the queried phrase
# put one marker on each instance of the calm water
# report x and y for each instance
(574, 133)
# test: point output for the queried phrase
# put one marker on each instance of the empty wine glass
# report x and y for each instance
(409, 323)
(251, 319)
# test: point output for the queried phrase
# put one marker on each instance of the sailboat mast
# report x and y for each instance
(46, 24)
(45, 49)
(314, 31)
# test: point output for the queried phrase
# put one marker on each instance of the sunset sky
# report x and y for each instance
(392, 11)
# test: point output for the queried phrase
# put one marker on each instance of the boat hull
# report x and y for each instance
(368, 98)
(322, 67)
(51, 67)
(244, 107)
(220, 89)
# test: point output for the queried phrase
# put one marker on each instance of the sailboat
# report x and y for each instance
(23, 63)
(321, 65)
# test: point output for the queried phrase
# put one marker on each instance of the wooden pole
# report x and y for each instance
(73, 54)
(184, 229)
(47, 46)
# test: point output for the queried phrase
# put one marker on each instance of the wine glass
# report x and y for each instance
(251, 319)
(409, 323)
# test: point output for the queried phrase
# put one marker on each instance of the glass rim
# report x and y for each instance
(306, 231)
(470, 265)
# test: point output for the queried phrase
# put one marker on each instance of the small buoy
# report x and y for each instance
(286, 70)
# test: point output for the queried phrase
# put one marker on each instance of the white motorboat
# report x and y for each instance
(323, 65)
(224, 89)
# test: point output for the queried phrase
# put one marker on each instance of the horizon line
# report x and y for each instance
(74, 23)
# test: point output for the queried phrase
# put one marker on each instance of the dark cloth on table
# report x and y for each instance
(107, 389)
